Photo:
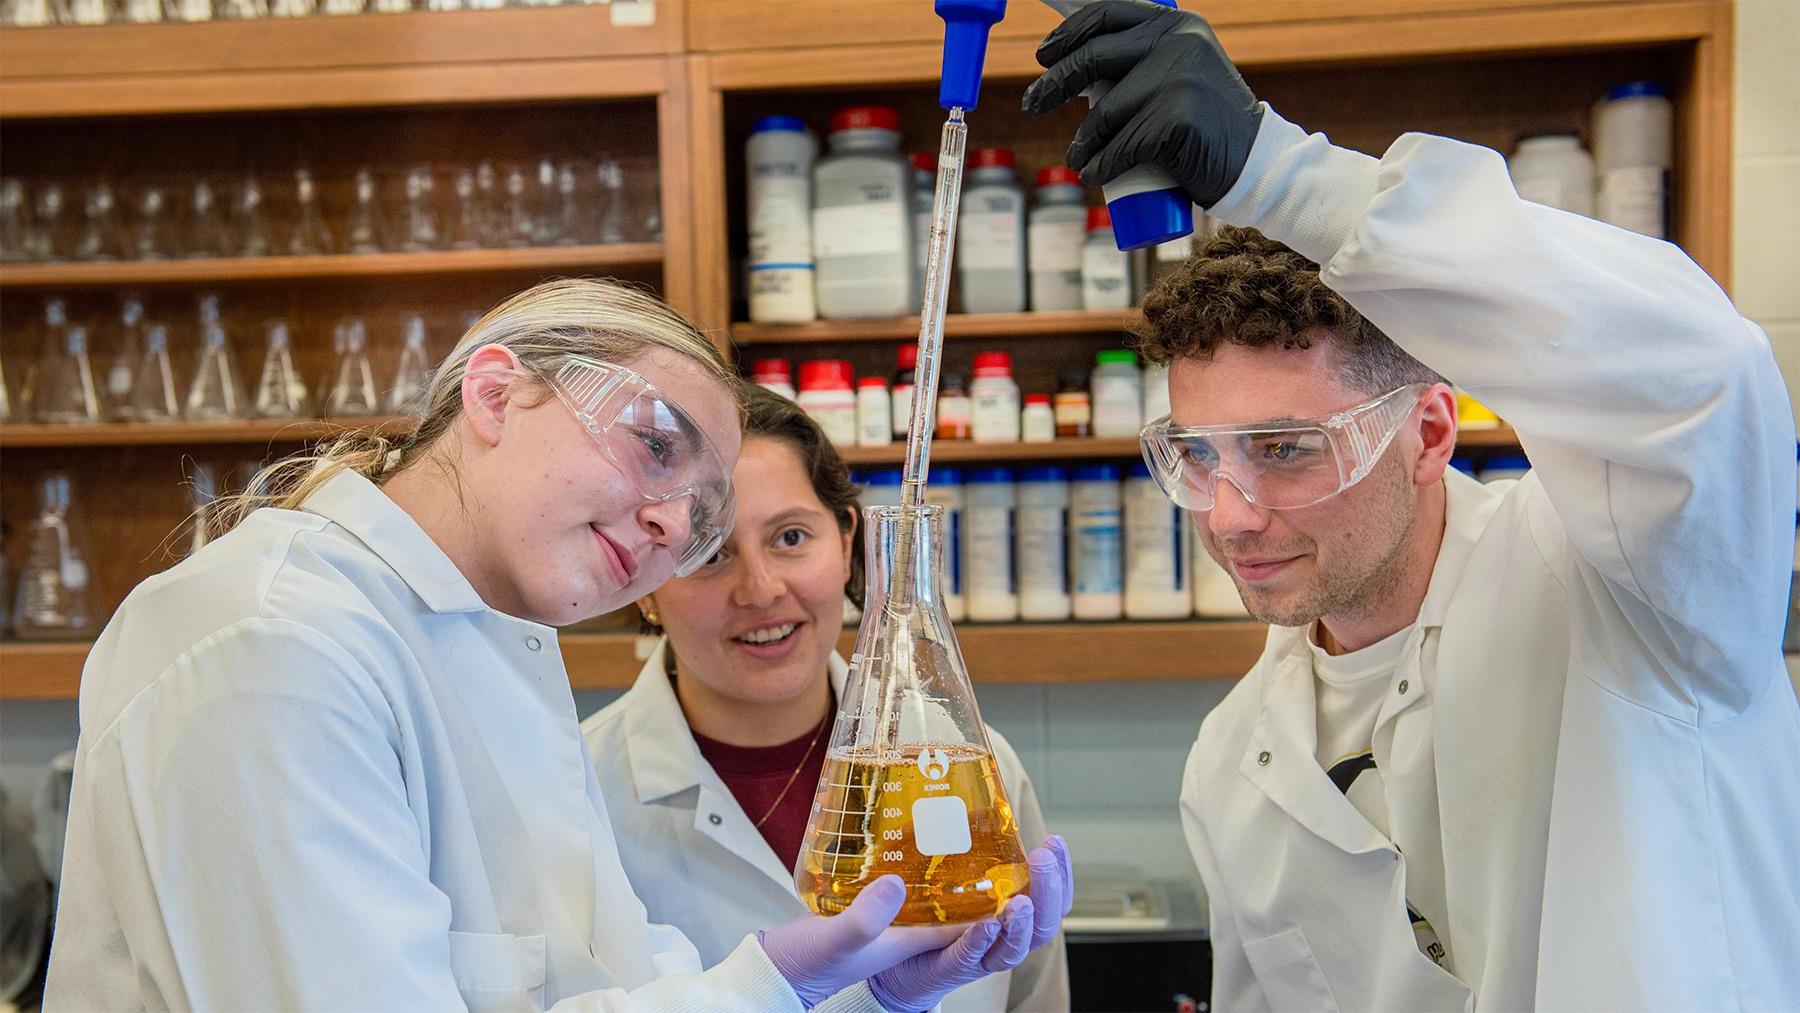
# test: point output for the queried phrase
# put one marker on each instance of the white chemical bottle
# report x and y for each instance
(994, 400)
(943, 487)
(1157, 568)
(988, 507)
(1096, 542)
(990, 236)
(1215, 596)
(1055, 236)
(1105, 269)
(1634, 148)
(874, 420)
(774, 375)
(862, 218)
(1118, 393)
(1037, 420)
(924, 192)
(825, 394)
(1043, 524)
(1553, 169)
(1156, 391)
(779, 157)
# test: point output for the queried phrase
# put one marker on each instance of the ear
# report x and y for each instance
(1437, 434)
(486, 380)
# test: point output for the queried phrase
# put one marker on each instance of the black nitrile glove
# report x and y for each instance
(1177, 100)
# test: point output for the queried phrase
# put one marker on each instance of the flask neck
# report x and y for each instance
(903, 550)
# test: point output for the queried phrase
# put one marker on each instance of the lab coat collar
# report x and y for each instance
(1468, 507)
(360, 507)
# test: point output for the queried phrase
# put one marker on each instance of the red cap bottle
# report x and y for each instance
(866, 118)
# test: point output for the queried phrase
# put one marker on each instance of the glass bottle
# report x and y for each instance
(252, 224)
(1073, 407)
(149, 234)
(363, 233)
(189, 10)
(127, 352)
(468, 230)
(310, 237)
(100, 230)
(216, 392)
(47, 240)
(419, 230)
(280, 393)
(243, 9)
(544, 222)
(142, 12)
(413, 372)
(66, 391)
(13, 226)
(955, 411)
(569, 214)
(353, 389)
(52, 600)
(910, 786)
(291, 8)
(85, 12)
(207, 233)
(153, 397)
(611, 225)
(28, 13)
(515, 209)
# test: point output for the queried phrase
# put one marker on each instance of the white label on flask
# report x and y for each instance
(1105, 283)
(1055, 246)
(857, 230)
(1543, 190)
(780, 222)
(988, 241)
(1634, 198)
(941, 825)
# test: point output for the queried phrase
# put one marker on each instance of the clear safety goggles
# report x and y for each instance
(656, 446)
(1276, 465)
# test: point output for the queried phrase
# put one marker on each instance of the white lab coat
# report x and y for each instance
(1592, 715)
(681, 833)
(316, 771)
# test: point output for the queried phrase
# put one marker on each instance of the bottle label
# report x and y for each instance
(996, 417)
(990, 551)
(1055, 246)
(1153, 560)
(1635, 198)
(902, 408)
(780, 222)
(1042, 542)
(1098, 566)
(859, 230)
(989, 241)
(1105, 280)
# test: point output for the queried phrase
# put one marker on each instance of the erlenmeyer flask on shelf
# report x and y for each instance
(66, 391)
(188, 10)
(150, 232)
(244, 9)
(13, 225)
(153, 397)
(910, 785)
(353, 385)
(99, 238)
(252, 220)
(126, 353)
(310, 237)
(419, 225)
(544, 222)
(52, 600)
(516, 224)
(47, 239)
(570, 214)
(610, 225)
(216, 392)
(280, 393)
(27, 13)
(412, 373)
(468, 230)
(85, 12)
(363, 232)
(141, 12)
(207, 233)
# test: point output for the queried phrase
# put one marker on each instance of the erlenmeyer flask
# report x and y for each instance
(142, 12)
(414, 369)
(150, 233)
(280, 393)
(310, 236)
(13, 226)
(189, 10)
(66, 391)
(516, 224)
(216, 392)
(910, 786)
(47, 240)
(100, 232)
(353, 389)
(127, 352)
(419, 226)
(153, 397)
(252, 225)
(207, 233)
(568, 206)
(611, 177)
(52, 600)
(469, 229)
(363, 233)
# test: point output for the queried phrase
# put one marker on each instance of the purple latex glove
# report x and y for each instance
(822, 956)
(987, 947)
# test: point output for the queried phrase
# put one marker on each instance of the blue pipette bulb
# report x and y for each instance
(966, 24)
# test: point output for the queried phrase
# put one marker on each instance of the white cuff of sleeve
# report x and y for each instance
(1299, 189)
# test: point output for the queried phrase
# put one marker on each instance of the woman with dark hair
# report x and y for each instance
(709, 762)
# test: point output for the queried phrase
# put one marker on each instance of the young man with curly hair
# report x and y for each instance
(1523, 746)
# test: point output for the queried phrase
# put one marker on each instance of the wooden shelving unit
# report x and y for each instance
(336, 265)
(144, 434)
(956, 325)
(995, 652)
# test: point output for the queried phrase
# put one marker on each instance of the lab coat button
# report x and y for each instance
(715, 818)
(1262, 758)
(1404, 686)
(534, 643)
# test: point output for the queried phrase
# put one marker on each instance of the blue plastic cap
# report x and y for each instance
(987, 476)
(889, 476)
(1636, 89)
(1466, 465)
(1150, 218)
(1137, 469)
(1507, 462)
(966, 24)
(1097, 473)
(773, 124)
(943, 476)
(1044, 473)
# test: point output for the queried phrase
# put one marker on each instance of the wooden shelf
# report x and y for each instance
(995, 652)
(1498, 437)
(137, 434)
(956, 325)
(334, 265)
(956, 451)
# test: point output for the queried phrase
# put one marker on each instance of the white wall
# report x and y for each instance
(1765, 249)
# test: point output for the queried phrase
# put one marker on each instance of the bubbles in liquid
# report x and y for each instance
(936, 816)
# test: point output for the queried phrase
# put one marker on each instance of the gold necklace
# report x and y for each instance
(814, 744)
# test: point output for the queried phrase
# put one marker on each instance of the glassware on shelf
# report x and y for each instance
(517, 225)
(216, 392)
(244, 10)
(99, 238)
(153, 397)
(141, 12)
(340, 6)
(14, 225)
(52, 323)
(610, 224)
(362, 233)
(468, 230)
(291, 8)
(6, 409)
(280, 393)
(150, 232)
(188, 10)
(544, 223)
(52, 600)
(27, 13)
(414, 371)
(419, 229)
(910, 785)
(444, 5)
(46, 242)
(84, 12)
(487, 190)
(208, 235)
(127, 352)
(252, 220)
(390, 6)
(310, 237)
(66, 392)
(570, 214)
(353, 385)
(203, 488)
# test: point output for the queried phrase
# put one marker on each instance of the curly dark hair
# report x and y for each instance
(1243, 288)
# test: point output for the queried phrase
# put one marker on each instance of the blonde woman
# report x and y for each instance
(711, 760)
(331, 760)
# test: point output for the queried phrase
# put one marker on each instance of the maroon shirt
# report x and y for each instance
(757, 774)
